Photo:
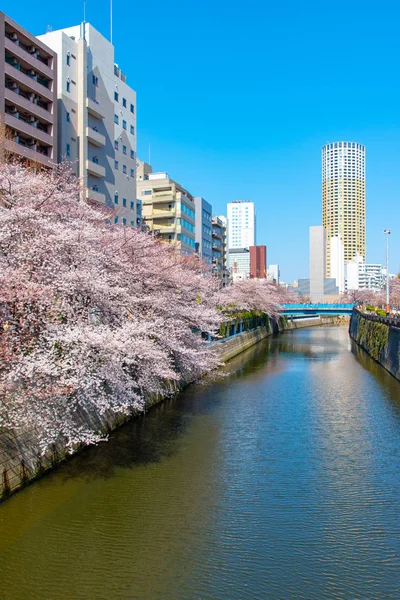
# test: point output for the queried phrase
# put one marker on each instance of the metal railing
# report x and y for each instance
(391, 321)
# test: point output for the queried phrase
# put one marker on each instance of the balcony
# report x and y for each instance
(94, 137)
(28, 153)
(16, 98)
(29, 82)
(95, 169)
(162, 214)
(164, 228)
(161, 197)
(95, 196)
(27, 57)
(28, 130)
(94, 108)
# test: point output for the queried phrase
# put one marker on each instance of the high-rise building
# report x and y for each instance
(97, 118)
(28, 95)
(317, 263)
(239, 263)
(344, 197)
(167, 209)
(258, 262)
(336, 261)
(241, 224)
(203, 229)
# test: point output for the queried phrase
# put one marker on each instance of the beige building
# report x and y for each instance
(344, 198)
(28, 95)
(97, 118)
(167, 208)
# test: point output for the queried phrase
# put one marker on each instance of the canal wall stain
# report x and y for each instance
(379, 340)
(21, 460)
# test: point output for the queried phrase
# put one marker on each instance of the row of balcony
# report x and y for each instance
(27, 70)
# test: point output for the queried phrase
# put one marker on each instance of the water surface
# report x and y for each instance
(280, 480)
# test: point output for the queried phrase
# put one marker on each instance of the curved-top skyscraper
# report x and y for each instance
(343, 197)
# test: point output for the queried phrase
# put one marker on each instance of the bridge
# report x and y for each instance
(302, 311)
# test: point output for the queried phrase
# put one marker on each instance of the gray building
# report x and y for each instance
(203, 229)
(317, 263)
(330, 287)
(239, 263)
(96, 118)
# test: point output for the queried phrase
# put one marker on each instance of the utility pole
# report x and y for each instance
(387, 233)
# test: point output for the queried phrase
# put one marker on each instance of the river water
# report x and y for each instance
(280, 480)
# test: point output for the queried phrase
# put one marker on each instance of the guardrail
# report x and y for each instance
(317, 306)
(391, 321)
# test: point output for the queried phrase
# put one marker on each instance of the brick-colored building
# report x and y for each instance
(258, 262)
(28, 95)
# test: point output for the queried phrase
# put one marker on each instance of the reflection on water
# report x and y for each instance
(279, 480)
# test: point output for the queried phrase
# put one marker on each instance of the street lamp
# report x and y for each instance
(387, 233)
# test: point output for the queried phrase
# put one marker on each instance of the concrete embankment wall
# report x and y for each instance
(379, 340)
(20, 457)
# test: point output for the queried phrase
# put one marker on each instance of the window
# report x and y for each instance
(95, 80)
(115, 198)
(116, 119)
(124, 102)
(116, 220)
(124, 124)
(124, 202)
(68, 150)
(132, 205)
(146, 193)
(116, 96)
(132, 108)
(132, 224)
(68, 117)
(124, 221)
(132, 172)
(68, 59)
(132, 154)
(124, 169)
(132, 130)
(116, 144)
(68, 85)
(123, 149)
(116, 165)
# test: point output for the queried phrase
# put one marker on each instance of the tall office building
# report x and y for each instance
(258, 262)
(344, 198)
(28, 95)
(241, 224)
(96, 118)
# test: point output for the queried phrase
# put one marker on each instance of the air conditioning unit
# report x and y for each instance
(13, 36)
(31, 73)
(31, 142)
(31, 49)
(13, 110)
(31, 119)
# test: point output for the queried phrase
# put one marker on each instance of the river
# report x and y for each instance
(280, 480)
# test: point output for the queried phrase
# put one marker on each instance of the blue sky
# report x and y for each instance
(236, 101)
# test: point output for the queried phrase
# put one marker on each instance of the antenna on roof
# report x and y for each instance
(84, 11)
(111, 23)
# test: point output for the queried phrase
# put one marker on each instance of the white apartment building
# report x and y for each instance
(336, 261)
(344, 197)
(96, 118)
(241, 224)
(239, 263)
(363, 276)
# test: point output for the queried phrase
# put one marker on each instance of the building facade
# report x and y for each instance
(168, 209)
(317, 263)
(258, 262)
(336, 261)
(97, 118)
(360, 275)
(239, 263)
(203, 229)
(241, 224)
(28, 95)
(274, 273)
(344, 197)
(331, 291)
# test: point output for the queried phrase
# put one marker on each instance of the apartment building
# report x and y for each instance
(344, 198)
(220, 249)
(168, 209)
(28, 95)
(97, 118)
(203, 229)
(239, 263)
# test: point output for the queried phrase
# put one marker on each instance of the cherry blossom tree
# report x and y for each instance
(253, 295)
(93, 317)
